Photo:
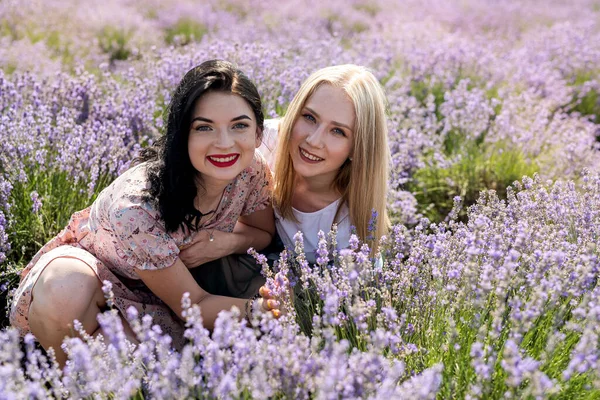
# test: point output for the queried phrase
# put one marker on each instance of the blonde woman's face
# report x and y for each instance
(323, 135)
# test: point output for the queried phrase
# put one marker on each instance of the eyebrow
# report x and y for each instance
(333, 122)
(202, 119)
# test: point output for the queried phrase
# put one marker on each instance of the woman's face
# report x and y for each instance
(323, 135)
(223, 137)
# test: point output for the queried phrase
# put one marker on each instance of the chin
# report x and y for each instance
(309, 173)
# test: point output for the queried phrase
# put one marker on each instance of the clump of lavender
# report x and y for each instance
(270, 358)
(4, 242)
(509, 293)
(372, 225)
(36, 202)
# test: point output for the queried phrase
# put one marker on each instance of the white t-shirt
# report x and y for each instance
(308, 223)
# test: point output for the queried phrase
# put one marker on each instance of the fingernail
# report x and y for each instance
(262, 291)
(272, 304)
(276, 313)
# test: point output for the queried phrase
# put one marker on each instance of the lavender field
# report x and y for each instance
(489, 286)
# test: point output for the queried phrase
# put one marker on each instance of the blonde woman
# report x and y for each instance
(331, 159)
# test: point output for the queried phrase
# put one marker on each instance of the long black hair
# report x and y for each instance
(172, 177)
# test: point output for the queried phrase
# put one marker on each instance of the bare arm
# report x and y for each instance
(169, 284)
(254, 230)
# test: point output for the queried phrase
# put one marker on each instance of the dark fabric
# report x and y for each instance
(237, 275)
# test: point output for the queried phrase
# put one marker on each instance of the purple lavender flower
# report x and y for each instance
(322, 250)
(37, 203)
(4, 242)
(372, 224)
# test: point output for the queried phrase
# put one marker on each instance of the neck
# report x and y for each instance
(317, 185)
(313, 194)
(209, 195)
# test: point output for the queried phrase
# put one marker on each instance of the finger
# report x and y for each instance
(276, 313)
(271, 304)
(263, 305)
(264, 292)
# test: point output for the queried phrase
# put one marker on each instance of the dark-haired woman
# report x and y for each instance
(202, 177)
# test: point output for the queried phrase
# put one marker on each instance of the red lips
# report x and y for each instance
(223, 160)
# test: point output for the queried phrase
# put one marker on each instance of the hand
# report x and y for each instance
(269, 302)
(202, 250)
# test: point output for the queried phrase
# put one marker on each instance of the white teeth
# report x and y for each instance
(223, 159)
(309, 156)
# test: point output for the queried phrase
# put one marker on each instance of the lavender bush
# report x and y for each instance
(493, 295)
(503, 305)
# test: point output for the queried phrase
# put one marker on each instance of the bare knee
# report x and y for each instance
(67, 289)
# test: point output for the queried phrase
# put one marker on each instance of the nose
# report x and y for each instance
(315, 138)
(224, 139)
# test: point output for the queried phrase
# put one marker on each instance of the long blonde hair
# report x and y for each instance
(362, 181)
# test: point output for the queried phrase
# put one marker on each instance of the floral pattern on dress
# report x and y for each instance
(121, 231)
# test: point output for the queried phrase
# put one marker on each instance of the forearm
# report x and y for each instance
(212, 305)
(245, 236)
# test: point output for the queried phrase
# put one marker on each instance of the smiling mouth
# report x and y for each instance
(311, 157)
(223, 161)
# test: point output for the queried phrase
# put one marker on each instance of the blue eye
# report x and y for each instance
(203, 128)
(241, 125)
(338, 131)
(309, 117)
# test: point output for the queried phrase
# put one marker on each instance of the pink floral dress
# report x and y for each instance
(120, 232)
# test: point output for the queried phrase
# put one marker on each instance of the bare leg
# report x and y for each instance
(67, 289)
(129, 334)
